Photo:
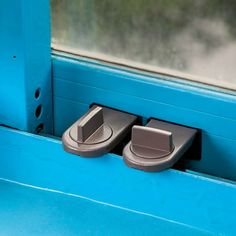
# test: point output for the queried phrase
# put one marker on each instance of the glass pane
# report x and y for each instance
(196, 37)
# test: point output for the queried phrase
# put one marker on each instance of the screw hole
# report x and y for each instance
(14, 57)
(39, 128)
(38, 111)
(37, 93)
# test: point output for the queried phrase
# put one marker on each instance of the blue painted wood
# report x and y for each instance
(25, 64)
(201, 204)
(44, 212)
(78, 84)
(157, 88)
(81, 93)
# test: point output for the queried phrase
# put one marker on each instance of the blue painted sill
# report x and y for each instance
(45, 191)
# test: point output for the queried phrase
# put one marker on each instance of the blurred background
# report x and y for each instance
(197, 37)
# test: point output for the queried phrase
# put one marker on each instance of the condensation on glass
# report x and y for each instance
(196, 37)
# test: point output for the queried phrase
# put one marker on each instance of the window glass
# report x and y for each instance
(196, 37)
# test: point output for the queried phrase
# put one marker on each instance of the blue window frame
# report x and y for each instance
(79, 82)
(193, 203)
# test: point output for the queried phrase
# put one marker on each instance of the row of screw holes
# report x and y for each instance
(38, 112)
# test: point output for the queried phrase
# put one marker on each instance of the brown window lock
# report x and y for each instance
(98, 131)
(157, 146)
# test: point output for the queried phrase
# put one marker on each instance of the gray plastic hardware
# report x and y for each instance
(97, 132)
(157, 146)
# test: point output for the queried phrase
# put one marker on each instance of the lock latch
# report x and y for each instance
(158, 145)
(98, 131)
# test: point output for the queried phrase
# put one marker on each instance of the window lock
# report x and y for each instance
(158, 145)
(98, 131)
